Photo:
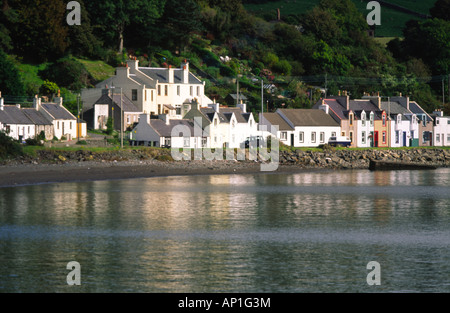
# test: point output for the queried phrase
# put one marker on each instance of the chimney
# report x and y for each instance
(324, 107)
(144, 118)
(59, 99)
(171, 70)
(347, 101)
(438, 113)
(2, 103)
(123, 71)
(37, 102)
(165, 118)
(243, 106)
(215, 106)
(133, 65)
(407, 103)
(185, 68)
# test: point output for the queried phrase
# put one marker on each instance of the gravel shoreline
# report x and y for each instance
(29, 174)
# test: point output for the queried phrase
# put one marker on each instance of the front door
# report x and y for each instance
(292, 140)
(404, 139)
(376, 139)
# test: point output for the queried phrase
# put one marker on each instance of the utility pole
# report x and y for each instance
(78, 117)
(121, 119)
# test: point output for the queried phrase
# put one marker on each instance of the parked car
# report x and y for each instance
(340, 141)
(256, 141)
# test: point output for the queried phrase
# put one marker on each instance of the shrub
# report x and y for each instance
(34, 142)
(9, 148)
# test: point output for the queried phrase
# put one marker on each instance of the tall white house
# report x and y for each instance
(151, 89)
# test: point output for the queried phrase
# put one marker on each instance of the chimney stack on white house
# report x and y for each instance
(215, 106)
(59, 99)
(2, 103)
(171, 74)
(185, 68)
(243, 106)
(165, 118)
(324, 107)
(133, 64)
(439, 113)
(37, 102)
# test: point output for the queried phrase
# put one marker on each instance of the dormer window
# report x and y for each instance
(399, 119)
(215, 122)
(371, 118)
(384, 119)
(363, 119)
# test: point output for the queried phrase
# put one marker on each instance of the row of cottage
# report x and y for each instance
(51, 119)
(152, 102)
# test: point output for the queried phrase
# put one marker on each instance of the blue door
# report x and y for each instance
(404, 139)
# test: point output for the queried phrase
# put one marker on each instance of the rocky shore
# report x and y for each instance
(81, 165)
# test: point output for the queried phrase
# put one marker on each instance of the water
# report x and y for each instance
(307, 232)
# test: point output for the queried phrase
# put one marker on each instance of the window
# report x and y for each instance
(283, 136)
(313, 137)
(152, 95)
(178, 90)
(437, 121)
(363, 138)
(167, 142)
(134, 95)
(384, 119)
(397, 136)
(351, 137)
(322, 137)
(166, 90)
(128, 119)
(178, 110)
(424, 121)
(399, 119)
(57, 125)
(233, 138)
(333, 134)
(215, 122)
(204, 141)
(343, 134)
(186, 142)
(425, 136)
(448, 137)
(233, 124)
(301, 137)
(198, 91)
(145, 95)
(384, 137)
(69, 126)
(363, 119)
(159, 90)
(191, 91)
(30, 131)
(371, 118)
(438, 138)
(351, 119)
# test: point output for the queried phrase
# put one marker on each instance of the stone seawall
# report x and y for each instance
(327, 158)
(360, 159)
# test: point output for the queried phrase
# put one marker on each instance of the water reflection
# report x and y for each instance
(312, 231)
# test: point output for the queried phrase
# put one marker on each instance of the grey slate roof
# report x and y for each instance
(162, 75)
(58, 112)
(11, 114)
(276, 120)
(36, 116)
(237, 112)
(165, 130)
(309, 117)
(127, 105)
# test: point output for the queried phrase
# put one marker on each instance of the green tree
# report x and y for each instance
(429, 40)
(10, 81)
(441, 9)
(40, 32)
(48, 89)
(114, 16)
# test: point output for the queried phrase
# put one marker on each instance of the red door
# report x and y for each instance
(376, 139)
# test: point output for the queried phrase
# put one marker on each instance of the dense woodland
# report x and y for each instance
(328, 46)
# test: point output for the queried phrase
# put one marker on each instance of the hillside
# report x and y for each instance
(392, 20)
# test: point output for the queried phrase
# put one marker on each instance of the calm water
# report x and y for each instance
(308, 232)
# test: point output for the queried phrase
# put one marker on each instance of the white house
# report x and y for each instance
(164, 132)
(64, 122)
(15, 123)
(305, 127)
(150, 89)
(277, 127)
(365, 128)
(441, 129)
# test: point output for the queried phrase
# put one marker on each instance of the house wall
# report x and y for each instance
(24, 131)
(381, 129)
(427, 128)
(314, 136)
(47, 129)
(66, 128)
(442, 131)
(364, 132)
(101, 115)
